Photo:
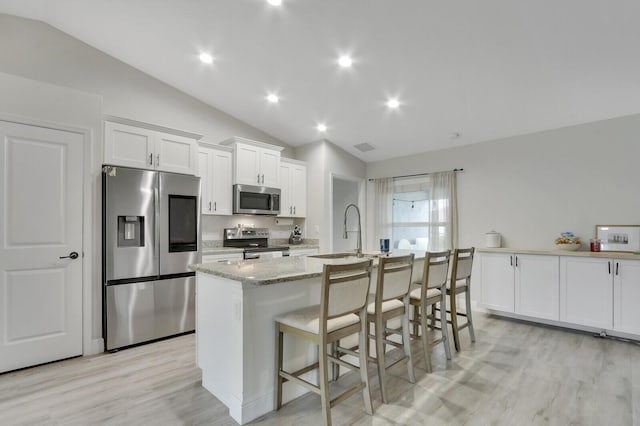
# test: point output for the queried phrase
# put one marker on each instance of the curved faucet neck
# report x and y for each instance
(345, 235)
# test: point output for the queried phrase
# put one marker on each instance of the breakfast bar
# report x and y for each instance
(236, 303)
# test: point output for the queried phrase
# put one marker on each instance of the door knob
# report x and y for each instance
(72, 255)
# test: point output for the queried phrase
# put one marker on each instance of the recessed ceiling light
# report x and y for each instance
(206, 58)
(274, 2)
(393, 103)
(321, 127)
(273, 98)
(345, 61)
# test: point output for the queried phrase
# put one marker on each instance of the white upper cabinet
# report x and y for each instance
(293, 184)
(255, 163)
(215, 168)
(145, 146)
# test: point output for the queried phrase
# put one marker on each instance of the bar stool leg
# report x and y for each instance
(443, 325)
(364, 370)
(278, 379)
(472, 332)
(426, 347)
(323, 382)
(406, 344)
(454, 322)
(416, 312)
(380, 361)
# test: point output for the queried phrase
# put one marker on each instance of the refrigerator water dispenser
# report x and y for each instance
(130, 231)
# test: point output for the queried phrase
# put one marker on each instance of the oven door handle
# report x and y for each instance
(252, 256)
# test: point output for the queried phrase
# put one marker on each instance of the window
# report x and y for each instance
(417, 217)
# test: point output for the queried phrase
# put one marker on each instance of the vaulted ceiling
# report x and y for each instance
(462, 71)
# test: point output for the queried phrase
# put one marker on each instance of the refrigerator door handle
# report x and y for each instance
(156, 222)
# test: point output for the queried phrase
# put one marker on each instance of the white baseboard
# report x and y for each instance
(97, 347)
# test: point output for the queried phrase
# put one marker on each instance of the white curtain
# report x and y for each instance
(443, 232)
(383, 192)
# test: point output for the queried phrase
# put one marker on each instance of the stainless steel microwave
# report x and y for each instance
(249, 199)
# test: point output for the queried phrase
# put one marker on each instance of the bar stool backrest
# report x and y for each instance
(394, 277)
(462, 263)
(436, 269)
(345, 289)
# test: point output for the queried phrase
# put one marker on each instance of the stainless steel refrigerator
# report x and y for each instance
(151, 233)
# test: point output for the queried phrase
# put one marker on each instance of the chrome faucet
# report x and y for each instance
(359, 231)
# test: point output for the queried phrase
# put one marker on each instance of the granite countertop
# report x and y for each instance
(271, 271)
(600, 254)
(220, 250)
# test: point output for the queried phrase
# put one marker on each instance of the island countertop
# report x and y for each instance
(271, 271)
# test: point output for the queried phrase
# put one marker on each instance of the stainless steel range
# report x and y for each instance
(254, 241)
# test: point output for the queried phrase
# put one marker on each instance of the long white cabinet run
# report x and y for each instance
(583, 290)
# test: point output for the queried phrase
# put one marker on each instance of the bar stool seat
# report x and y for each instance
(431, 293)
(308, 319)
(387, 306)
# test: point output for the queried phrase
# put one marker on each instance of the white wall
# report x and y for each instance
(325, 160)
(532, 187)
(38, 51)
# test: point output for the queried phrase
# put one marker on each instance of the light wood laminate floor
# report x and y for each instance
(515, 374)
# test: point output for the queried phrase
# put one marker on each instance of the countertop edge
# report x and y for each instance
(601, 254)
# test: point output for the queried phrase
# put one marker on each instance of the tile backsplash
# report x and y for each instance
(212, 226)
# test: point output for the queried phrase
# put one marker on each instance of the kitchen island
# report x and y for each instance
(236, 303)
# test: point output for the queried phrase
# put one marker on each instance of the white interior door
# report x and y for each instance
(40, 222)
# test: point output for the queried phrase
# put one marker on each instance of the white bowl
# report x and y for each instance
(568, 247)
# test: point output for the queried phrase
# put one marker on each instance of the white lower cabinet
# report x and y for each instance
(496, 280)
(626, 294)
(520, 283)
(537, 286)
(586, 291)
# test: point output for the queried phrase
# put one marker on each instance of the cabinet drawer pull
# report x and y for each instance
(511, 260)
(157, 160)
(609, 263)
(258, 177)
(209, 205)
(516, 261)
(215, 206)
(151, 159)
(617, 266)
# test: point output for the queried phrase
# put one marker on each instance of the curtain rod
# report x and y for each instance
(415, 175)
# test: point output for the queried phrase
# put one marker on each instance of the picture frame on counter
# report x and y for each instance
(621, 238)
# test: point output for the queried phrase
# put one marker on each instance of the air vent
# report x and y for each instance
(364, 147)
